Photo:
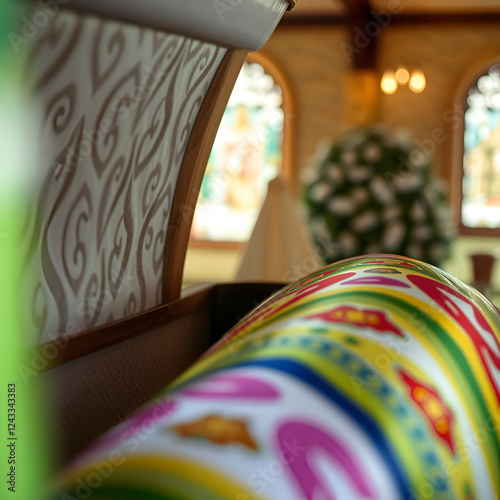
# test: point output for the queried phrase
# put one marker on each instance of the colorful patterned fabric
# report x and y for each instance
(376, 378)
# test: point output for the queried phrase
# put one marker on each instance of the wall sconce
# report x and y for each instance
(391, 80)
(389, 84)
(402, 75)
(417, 82)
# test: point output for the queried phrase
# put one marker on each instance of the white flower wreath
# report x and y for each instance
(374, 192)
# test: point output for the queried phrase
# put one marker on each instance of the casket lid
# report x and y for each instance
(235, 24)
(132, 97)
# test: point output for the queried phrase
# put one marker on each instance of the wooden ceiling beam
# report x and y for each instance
(361, 51)
(447, 18)
(292, 19)
(365, 24)
(357, 9)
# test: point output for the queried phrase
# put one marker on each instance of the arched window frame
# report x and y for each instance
(288, 170)
(456, 116)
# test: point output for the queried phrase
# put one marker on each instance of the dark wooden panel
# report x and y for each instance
(97, 384)
(232, 301)
(90, 341)
(92, 394)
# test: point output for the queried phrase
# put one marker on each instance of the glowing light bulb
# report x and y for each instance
(389, 84)
(402, 76)
(417, 82)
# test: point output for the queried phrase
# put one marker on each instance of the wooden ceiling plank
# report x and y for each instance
(362, 53)
(397, 19)
(447, 18)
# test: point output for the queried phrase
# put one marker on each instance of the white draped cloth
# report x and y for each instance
(280, 248)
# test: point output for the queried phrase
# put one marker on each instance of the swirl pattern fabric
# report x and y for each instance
(376, 378)
(116, 104)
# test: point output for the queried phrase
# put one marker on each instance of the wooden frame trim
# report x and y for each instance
(288, 168)
(291, 20)
(196, 298)
(216, 245)
(90, 341)
(457, 147)
(192, 171)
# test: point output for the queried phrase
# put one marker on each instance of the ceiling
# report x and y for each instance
(315, 8)
(439, 6)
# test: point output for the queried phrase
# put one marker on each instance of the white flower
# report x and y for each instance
(444, 215)
(360, 195)
(353, 139)
(391, 141)
(436, 190)
(372, 152)
(430, 193)
(359, 174)
(319, 228)
(322, 151)
(393, 236)
(403, 137)
(422, 233)
(380, 129)
(445, 222)
(320, 192)
(407, 184)
(308, 175)
(365, 221)
(418, 212)
(381, 191)
(440, 185)
(348, 242)
(334, 173)
(414, 250)
(332, 251)
(418, 158)
(342, 205)
(398, 138)
(392, 212)
(348, 157)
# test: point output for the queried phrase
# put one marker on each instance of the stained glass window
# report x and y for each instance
(246, 155)
(481, 175)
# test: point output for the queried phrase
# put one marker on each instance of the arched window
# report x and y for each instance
(251, 148)
(480, 186)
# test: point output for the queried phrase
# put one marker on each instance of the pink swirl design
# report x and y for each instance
(308, 480)
(233, 387)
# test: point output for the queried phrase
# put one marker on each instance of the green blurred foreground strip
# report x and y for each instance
(24, 462)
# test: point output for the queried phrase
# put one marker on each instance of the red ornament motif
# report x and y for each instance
(434, 408)
(363, 318)
(391, 262)
(453, 303)
(293, 295)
